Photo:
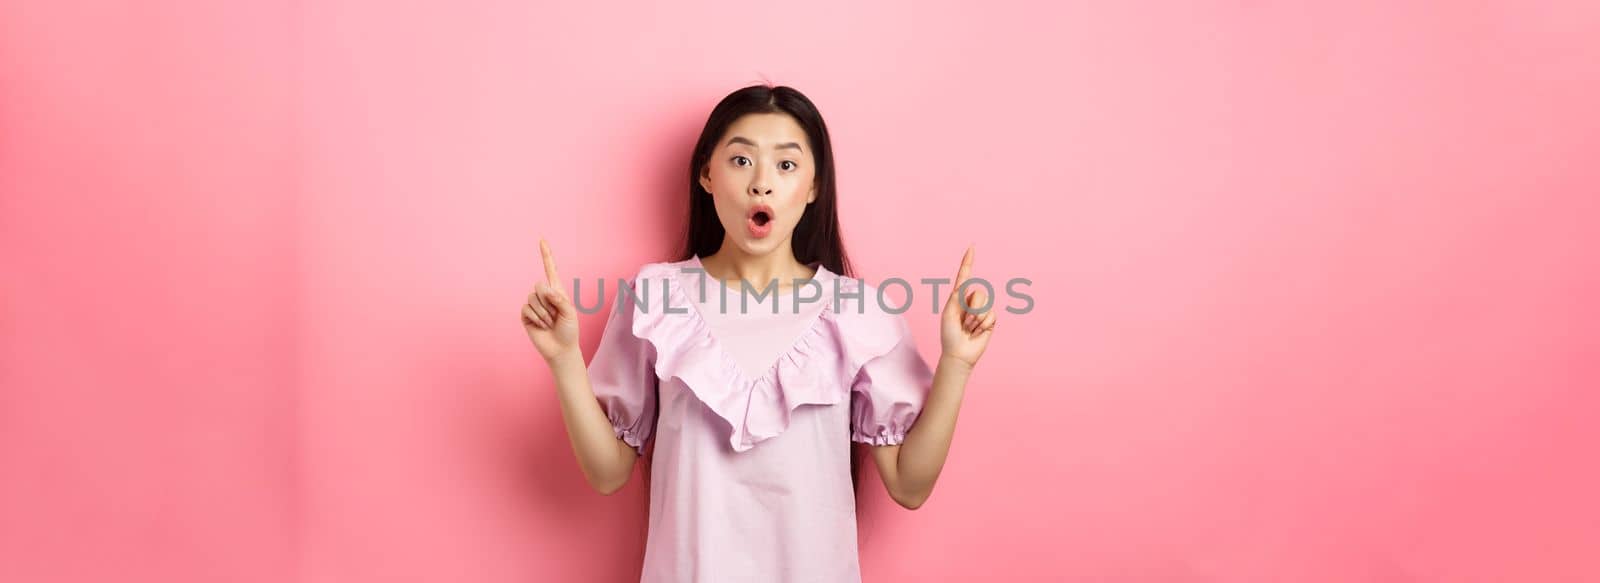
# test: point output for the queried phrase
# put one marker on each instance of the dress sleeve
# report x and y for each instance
(889, 391)
(622, 374)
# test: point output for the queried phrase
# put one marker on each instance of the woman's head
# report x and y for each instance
(762, 178)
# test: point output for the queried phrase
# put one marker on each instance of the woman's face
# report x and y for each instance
(761, 176)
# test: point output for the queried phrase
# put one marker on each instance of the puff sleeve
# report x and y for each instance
(888, 392)
(622, 374)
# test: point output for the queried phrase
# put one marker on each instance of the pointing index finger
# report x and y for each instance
(550, 276)
(961, 277)
(966, 267)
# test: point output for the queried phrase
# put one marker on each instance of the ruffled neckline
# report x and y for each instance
(817, 369)
(821, 277)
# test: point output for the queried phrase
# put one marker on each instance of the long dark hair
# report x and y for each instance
(816, 237)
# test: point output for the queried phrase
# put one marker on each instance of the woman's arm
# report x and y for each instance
(552, 325)
(606, 460)
(910, 469)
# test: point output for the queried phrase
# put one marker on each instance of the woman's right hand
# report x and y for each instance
(548, 316)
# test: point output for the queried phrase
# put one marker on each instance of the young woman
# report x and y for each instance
(753, 362)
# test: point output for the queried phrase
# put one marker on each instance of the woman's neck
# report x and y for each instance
(730, 264)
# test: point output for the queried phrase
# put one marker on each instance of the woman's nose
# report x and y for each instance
(759, 182)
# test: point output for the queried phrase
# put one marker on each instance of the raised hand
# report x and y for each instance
(964, 333)
(548, 316)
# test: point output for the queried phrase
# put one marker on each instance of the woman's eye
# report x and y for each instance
(740, 160)
(790, 163)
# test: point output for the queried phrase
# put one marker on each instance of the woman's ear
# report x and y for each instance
(812, 196)
(705, 178)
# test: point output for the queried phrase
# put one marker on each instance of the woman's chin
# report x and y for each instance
(752, 245)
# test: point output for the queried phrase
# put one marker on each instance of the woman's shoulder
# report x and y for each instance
(663, 268)
(869, 325)
(657, 275)
(858, 299)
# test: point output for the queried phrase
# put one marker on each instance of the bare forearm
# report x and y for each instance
(605, 459)
(922, 455)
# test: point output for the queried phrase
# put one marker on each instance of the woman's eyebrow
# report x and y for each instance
(741, 140)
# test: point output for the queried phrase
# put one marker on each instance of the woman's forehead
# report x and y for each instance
(765, 130)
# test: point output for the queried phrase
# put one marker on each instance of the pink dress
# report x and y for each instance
(754, 417)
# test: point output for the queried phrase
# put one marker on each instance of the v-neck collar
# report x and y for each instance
(821, 276)
(747, 381)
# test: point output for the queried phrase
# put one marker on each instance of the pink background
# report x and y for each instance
(1315, 284)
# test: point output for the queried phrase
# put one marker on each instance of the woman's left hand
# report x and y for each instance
(964, 334)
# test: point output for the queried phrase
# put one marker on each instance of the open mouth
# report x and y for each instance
(760, 215)
(759, 219)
